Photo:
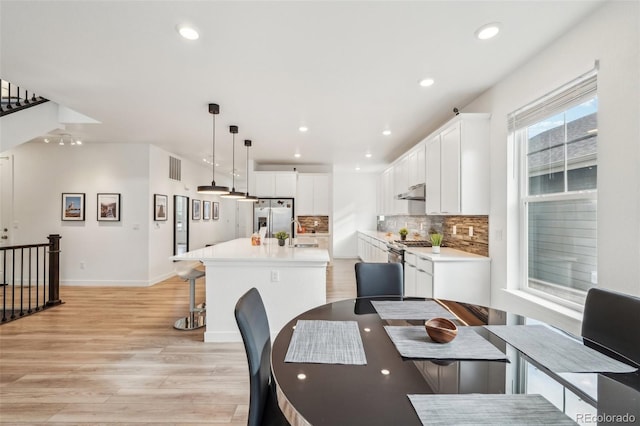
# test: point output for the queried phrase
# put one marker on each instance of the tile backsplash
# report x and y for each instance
(308, 222)
(421, 226)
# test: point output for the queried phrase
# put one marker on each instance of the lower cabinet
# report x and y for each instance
(410, 275)
(371, 249)
(424, 277)
(462, 281)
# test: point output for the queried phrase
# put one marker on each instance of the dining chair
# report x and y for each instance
(379, 279)
(253, 323)
(610, 324)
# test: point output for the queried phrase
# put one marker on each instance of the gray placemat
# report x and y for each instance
(414, 342)
(411, 310)
(556, 351)
(480, 409)
(326, 342)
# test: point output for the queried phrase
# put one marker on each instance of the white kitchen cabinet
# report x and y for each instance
(457, 175)
(313, 194)
(274, 184)
(432, 180)
(424, 277)
(410, 275)
(387, 192)
(371, 249)
(450, 170)
(461, 280)
(400, 185)
(416, 165)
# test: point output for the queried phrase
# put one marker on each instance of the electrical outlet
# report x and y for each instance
(82, 265)
(454, 231)
(471, 231)
(275, 276)
(315, 223)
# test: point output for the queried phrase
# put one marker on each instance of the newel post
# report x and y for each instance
(54, 270)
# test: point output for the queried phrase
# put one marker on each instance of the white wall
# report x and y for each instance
(134, 251)
(93, 252)
(354, 208)
(201, 232)
(610, 35)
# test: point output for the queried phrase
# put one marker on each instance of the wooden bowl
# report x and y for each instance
(441, 330)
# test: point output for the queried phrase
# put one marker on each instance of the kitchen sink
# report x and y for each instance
(305, 245)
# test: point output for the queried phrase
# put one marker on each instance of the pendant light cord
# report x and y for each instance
(213, 153)
(233, 162)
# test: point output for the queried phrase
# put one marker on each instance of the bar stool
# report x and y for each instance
(197, 314)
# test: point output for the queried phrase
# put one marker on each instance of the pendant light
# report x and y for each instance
(233, 193)
(248, 198)
(214, 189)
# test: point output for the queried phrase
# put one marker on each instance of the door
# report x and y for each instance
(180, 224)
(6, 199)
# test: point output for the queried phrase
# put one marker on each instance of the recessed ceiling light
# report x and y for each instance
(79, 142)
(297, 155)
(188, 32)
(386, 132)
(46, 140)
(303, 128)
(368, 155)
(357, 168)
(426, 82)
(488, 31)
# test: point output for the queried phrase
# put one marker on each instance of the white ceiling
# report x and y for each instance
(347, 70)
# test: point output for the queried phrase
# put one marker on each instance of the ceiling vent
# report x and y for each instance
(175, 168)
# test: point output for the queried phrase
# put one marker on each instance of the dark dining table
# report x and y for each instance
(376, 393)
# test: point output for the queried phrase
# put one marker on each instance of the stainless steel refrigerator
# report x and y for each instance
(275, 214)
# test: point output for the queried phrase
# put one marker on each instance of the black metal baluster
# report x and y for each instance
(13, 284)
(4, 286)
(22, 282)
(26, 97)
(37, 279)
(18, 104)
(29, 278)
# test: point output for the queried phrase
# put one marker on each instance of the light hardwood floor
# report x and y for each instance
(110, 355)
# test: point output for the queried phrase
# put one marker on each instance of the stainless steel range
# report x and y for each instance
(397, 247)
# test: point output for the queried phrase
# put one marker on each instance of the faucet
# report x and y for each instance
(298, 226)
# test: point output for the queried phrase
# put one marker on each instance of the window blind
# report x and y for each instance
(566, 96)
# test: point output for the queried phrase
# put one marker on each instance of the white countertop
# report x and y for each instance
(446, 255)
(242, 250)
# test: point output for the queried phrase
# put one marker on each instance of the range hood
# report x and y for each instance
(416, 192)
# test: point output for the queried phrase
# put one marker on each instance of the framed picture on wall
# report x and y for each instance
(159, 207)
(73, 206)
(195, 209)
(109, 207)
(216, 210)
(206, 210)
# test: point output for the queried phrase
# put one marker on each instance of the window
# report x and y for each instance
(557, 140)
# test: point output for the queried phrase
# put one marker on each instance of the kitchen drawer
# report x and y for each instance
(410, 258)
(425, 265)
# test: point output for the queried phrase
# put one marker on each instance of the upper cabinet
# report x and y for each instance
(274, 184)
(313, 194)
(416, 165)
(457, 172)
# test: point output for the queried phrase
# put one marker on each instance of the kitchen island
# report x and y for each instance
(291, 280)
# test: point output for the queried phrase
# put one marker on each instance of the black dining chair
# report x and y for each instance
(253, 323)
(379, 279)
(611, 324)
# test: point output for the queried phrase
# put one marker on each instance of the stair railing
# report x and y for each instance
(29, 278)
(14, 99)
